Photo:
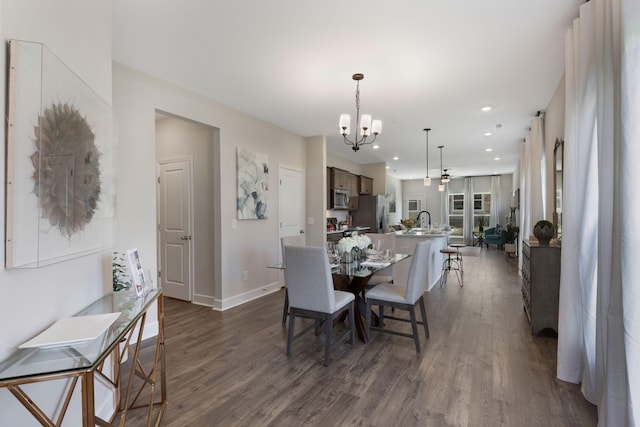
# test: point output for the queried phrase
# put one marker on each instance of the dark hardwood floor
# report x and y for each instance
(480, 367)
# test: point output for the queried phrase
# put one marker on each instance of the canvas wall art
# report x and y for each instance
(60, 162)
(253, 184)
(391, 197)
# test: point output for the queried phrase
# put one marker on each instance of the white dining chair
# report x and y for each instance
(311, 295)
(294, 240)
(403, 297)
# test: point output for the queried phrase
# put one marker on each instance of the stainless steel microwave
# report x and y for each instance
(340, 199)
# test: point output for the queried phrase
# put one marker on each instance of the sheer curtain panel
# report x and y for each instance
(496, 202)
(599, 325)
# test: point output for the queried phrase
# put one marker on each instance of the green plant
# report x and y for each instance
(120, 273)
(511, 234)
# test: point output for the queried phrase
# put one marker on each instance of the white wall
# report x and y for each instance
(79, 33)
(250, 247)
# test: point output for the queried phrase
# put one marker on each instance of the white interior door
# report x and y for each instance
(174, 191)
(292, 202)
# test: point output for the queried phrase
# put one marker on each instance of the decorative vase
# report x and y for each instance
(543, 230)
(355, 254)
(346, 258)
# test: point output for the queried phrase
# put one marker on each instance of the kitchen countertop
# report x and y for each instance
(348, 230)
(423, 234)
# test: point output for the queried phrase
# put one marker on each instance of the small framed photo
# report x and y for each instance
(136, 270)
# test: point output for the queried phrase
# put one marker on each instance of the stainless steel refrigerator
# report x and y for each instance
(372, 212)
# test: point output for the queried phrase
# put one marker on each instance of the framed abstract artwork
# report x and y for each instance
(253, 184)
(60, 162)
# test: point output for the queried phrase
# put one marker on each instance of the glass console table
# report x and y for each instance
(84, 361)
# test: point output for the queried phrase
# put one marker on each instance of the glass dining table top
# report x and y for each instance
(360, 268)
(38, 361)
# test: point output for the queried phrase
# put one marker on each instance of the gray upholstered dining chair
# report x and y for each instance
(403, 297)
(294, 240)
(311, 295)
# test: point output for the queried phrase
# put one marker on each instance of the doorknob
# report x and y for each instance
(185, 238)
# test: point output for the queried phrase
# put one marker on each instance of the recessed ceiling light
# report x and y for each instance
(488, 150)
(387, 167)
(375, 147)
(496, 158)
(396, 158)
(486, 108)
(487, 134)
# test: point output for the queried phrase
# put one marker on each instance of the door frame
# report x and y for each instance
(189, 160)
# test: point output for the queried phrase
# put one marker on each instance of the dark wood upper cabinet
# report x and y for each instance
(365, 185)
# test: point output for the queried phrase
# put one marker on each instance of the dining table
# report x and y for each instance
(353, 277)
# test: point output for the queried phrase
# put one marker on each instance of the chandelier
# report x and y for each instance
(364, 125)
(427, 180)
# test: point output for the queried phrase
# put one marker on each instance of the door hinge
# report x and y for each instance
(159, 273)
(158, 180)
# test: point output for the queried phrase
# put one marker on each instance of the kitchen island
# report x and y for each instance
(406, 241)
(336, 235)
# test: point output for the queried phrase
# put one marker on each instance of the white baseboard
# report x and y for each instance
(221, 305)
(205, 300)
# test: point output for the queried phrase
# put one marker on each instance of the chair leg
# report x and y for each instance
(423, 310)
(327, 340)
(352, 324)
(285, 309)
(367, 320)
(414, 327)
(292, 321)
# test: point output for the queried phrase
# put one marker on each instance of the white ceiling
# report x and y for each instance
(426, 64)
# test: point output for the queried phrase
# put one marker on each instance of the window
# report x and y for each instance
(481, 211)
(456, 213)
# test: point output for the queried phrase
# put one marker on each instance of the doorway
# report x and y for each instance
(189, 259)
(291, 197)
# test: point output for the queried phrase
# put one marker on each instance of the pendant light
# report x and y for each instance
(441, 186)
(427, 180)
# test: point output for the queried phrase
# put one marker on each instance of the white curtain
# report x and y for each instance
(444, 204)
(523, 200)
(496, 202)
(599, 325)
(536, 171)
(468, 211)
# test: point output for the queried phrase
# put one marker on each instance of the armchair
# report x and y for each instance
(493, 238)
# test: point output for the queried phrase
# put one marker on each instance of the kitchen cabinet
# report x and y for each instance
(541, 285)
(352, 186)
(340, 179)
(365, 185)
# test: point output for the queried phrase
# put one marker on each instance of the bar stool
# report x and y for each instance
(450, 264)
(457, 246)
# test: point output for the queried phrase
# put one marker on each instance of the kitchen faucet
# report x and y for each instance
(420, 214)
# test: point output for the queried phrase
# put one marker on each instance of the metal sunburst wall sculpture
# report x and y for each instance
(67, 168)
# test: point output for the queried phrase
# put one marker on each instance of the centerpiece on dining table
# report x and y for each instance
(354, 248)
